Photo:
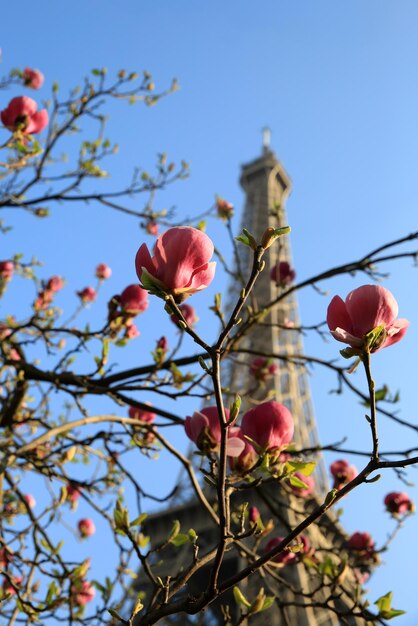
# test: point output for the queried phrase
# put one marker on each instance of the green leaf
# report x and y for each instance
(180, 540)
(267, 603)
(384, 604)
(240, 599)
(296, 482)
(138, 521)
(304, 468)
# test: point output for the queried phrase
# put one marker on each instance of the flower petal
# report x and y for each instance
(337, 315)
(370, 306)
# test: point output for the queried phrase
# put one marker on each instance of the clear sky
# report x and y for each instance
(338, 85)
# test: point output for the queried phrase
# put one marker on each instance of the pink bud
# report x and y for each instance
(270, 425)
(21, 114)
(263, 369)
(6, 557)
(398, 503)
(253, 515)
(134, 299)
(180, 264)
(131, 331)
(30, 500)
(55, 283)
(361, 543)
(86, 295)
(188, 313)
(204, 429)
(73, 493)
(225, 209)
(343, 473)
(364, 309)
(282, 274)
(83, 592)
(5, 331)
(103, 271)
(162, 344)
(86, 527)
(6, 270)
(286, 557)
(33, 78)
(141, 415)
(8, 587)
(245, 461)
(152, 228)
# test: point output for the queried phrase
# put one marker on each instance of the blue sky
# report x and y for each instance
(337, 84)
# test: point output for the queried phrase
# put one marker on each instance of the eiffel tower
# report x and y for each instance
(303, 597)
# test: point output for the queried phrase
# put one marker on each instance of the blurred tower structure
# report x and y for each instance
(303, 600)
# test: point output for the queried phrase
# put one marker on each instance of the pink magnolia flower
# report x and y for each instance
(263, 369)
(6, 270)
(32, 78)
(134, 299)
(343, 473)
(361, 543)
(14, 355)
(152, 228)
(253, 515)
(269, 424)
(131, 331)
(204, 429)
(225, 209)
(86, 527)
(8, 587)
(162, 344)
(83, 592)
(6, 557)
(282, 274)
(188, 313)
(180, 264)
(86, 295)
(364, 309)
(142, 415)
(30, 500)
(246, 460)
(303, 492)
(21, 114)
(55, 283)
(398, 503)
(103, 271)
(286, 557)
(73, 493)
(5, 331)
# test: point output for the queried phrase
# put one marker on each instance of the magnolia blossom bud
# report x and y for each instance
(21, 115)
(398, 503)
(30, 500)
(225, 209)
(83, 592)
(6, 270)
(86, 527)
(188, 313)
(343, 473)
(86, 295)
(282, 274)
(142, 415)
(263, 369)
(103, 271)
(366, 308)
(180, 264)
(32, 78)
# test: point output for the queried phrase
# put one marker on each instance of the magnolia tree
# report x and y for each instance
(49, 435)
